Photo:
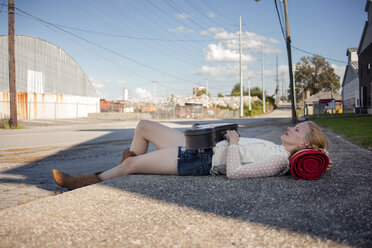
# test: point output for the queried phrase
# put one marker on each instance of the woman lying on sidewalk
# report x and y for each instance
(236, 157)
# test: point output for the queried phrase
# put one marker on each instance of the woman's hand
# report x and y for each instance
(232, 137)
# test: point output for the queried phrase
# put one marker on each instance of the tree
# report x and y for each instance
(315, 74)
(203, 92)
(236, 90)
(256, 91)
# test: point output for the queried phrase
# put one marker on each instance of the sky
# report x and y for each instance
(159, 48)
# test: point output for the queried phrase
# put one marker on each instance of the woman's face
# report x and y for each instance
(295, 136)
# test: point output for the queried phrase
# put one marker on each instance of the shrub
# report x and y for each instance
(257, 108)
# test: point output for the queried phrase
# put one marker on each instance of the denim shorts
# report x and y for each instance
(194, 162)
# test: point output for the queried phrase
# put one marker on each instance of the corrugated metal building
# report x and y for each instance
(50, 84)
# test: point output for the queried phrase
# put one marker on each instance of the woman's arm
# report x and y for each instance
(232, 137)
(270, 166)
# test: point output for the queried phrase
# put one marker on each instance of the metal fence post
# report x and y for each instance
(55, 111)
(77, 112)
(29, 110)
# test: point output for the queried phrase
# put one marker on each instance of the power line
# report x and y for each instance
(211, 6)
(79, 44)
(1, 10)
(171, 19)
(165, 49)
(155, 21)
(107, 49)
(177, 8)
(149, 30)
(198, 10)
(132, 37)
(281, 26)
(172, 40)
(166, 14)
(280, 20)
(344, 62)
(121, 30)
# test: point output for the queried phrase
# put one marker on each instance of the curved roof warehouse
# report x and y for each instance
(50, 84)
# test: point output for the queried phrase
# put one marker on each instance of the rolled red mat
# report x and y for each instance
(308, 164)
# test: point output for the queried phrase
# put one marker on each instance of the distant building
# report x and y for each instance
(365, 62)
(350, 83)
(125, 94)
(50, 83)
(196, 90)
(313, 104)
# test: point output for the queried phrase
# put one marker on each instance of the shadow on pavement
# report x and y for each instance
(336, 207)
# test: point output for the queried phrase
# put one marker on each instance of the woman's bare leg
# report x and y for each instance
(163, 161)
(160, 135)
(160, 162)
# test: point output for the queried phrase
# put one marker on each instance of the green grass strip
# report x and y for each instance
(356, 129)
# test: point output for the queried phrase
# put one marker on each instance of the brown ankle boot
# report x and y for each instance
(126, 154)
(70, 182)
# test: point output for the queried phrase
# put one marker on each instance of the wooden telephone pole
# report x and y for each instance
(291, 81)
(289, 53)
(12, 76)
(263, 82)
(241, 73)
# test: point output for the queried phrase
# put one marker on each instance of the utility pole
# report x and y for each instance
(283, 87)
(249, 94)
(241, 75)
(291, 83)
(12, 76)
(263, 83)
(156, 101)
(277, 81)
(206, 86)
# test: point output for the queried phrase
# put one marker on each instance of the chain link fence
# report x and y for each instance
(54, 111)
(161, 111)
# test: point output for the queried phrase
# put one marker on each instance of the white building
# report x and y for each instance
(49, 82)
(350, 83)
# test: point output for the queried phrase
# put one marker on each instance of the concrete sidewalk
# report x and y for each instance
(170, 211)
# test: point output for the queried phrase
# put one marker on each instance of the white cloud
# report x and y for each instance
(219, 53)
(211, 31)
(274, 41)
(285, 69)
(218, 71)
(142, 93)
(223, 35)
(229, 70)
(180, 29)
(227, 50)
(182, 16)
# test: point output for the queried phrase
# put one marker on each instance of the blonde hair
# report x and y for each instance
(317, 139)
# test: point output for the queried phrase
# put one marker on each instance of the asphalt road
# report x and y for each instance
(169, 211)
